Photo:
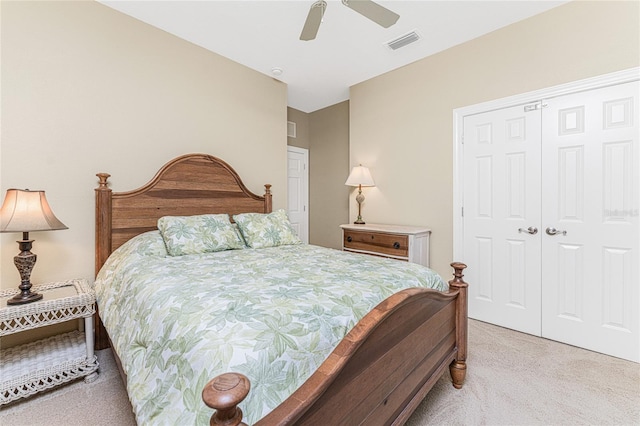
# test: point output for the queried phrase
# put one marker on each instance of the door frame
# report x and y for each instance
(624, 76)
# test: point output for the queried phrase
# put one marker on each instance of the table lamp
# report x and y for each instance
(26, 211)
(360, 176)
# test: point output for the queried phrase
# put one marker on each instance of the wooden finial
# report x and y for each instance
(457, 280)
(103, 180)
(223, 393)
(268, 205)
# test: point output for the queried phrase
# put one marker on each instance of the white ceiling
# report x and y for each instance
(349, 48)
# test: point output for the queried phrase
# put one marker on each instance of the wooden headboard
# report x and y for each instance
(188, 185)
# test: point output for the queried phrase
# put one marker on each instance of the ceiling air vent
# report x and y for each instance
(403, 40)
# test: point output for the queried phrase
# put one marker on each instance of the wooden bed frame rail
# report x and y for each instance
(382, 370)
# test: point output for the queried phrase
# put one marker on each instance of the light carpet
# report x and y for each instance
(512, 379)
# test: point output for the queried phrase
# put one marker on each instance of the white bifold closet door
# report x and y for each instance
(551, 222)
(501, 205)
(590, 181)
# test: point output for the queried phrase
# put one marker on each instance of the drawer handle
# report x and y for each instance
(349, 239)
(396, 245)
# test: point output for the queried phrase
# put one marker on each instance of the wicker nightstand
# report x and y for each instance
(33, 367)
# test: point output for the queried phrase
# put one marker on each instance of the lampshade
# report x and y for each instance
(25, 211)
(360, 175)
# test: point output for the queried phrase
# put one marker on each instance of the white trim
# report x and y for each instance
(605, 80)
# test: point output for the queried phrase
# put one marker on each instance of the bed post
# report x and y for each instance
(223, 393)
(103, 246)
(458, 367)
(267, 198)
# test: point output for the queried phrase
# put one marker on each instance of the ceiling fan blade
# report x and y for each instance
(369, 9)
(314, 18)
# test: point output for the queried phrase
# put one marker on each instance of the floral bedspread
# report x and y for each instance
(273, 314)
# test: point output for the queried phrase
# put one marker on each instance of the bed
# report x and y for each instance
(287, 332)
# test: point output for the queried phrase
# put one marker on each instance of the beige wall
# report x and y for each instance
(401, 122)
(86, 89)
(301, 119)
(325, 133)
(328, 170)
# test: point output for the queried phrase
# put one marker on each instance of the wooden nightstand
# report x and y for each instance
(408, 243)
(33, 367)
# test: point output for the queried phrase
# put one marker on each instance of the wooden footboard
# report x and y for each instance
(379, 373)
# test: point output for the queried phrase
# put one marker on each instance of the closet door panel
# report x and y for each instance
(502, 204)
(590, 279)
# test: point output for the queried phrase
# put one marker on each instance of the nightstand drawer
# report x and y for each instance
(377, 242)
(401, 242)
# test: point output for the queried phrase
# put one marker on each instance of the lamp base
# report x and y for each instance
(359, 199)
(21, 299)
(24, 261)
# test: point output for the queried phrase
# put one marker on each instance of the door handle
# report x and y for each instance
(554, 231)
(530, 230)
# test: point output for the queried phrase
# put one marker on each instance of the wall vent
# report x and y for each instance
(291, 129)
(403, 40)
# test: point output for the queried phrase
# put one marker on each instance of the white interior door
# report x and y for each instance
(591, 184)
(501, 193)
(298, 190)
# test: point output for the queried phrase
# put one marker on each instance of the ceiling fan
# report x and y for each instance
(367, 8)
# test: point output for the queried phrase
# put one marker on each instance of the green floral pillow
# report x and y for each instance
(266, 230)
(198, 234)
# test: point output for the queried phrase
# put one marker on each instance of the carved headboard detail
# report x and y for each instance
(188, 185)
